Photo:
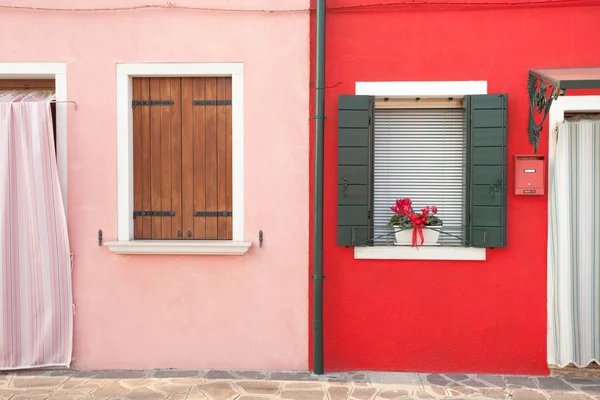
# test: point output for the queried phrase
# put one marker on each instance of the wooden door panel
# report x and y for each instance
(153, 134)
(224, 201)
(187, 157)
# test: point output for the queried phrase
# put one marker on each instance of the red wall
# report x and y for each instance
(445, 315)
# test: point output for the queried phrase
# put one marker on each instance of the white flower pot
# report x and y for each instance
(431, 235)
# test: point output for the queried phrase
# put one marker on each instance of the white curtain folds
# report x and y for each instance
(36, 317)
(574, 244)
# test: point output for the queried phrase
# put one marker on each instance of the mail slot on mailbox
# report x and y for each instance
(529, 175)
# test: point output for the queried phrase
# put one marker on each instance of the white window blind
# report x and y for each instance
(419, 153)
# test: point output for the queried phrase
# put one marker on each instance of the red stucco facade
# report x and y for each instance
(448, 316)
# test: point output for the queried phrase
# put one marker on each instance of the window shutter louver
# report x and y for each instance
(487, 164)
(355, 171)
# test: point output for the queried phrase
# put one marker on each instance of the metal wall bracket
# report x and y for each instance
(153, 214)
(213, 213)
(212, 102)
(541, 96)
(135, 103)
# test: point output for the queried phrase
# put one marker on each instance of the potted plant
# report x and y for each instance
(411, 227)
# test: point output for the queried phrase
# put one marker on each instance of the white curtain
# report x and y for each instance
(574, 244)
(36, 319)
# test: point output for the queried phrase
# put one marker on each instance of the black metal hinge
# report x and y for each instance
(135, 103)
(212, 102)
(153, 214)
(213, 213)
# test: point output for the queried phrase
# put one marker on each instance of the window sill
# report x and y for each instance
(208, 247)
(420, 253)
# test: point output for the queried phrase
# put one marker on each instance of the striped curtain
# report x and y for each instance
(574, 244)
(36, 319)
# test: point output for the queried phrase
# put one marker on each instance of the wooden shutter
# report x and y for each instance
(206, 158)
(157, 156)
(487, 159)
(355, 169)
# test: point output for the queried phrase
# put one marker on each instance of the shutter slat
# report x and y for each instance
(419, 154)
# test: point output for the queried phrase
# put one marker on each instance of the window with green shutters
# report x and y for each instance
(451, 155)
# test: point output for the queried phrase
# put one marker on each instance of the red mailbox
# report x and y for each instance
(529, 175)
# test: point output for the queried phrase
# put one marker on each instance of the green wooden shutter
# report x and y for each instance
(486, 164)
(355, 171)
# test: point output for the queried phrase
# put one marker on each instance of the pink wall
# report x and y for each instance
(446, 316)
(184, 311)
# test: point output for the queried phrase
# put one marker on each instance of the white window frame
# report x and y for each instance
(58, 72)
(126, 243)
(424, 90)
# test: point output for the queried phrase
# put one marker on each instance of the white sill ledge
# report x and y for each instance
(209, 247)
(420, 253)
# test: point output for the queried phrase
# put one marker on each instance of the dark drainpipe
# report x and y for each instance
(318, 194)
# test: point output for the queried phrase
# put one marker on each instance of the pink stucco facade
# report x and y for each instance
(174, 311)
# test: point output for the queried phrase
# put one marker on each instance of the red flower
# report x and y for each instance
(402, 207)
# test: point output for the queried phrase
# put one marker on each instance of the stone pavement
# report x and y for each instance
(261, 385)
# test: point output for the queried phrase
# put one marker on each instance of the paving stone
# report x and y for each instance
(363, 393)
(591, 390)
(304, 385)
(72, 392)
(437, 389)
(254, 397)
(122, 374)
(259, 387)
(37, 381)
(459, 390)
(87, 374)
(195, 394)
(568, 396)
(358, 377)
(293, 376)
(144, 393)
(494, 380)
(474, 384)
(302, 394)
(437, 380)
(110, 389)
(251, 374)
(63, 397)
(520, 381)
(179, 396)
(423, 394)
(216, 374)
(218, 390)
(338, 392)
(185, 381)
(554, 384)
(527, 394)
(75, 382)
(29, 397)
(176, 374)
(457, 377)
(170, 388)
(392, 394)
(62, 372)
(395, 378)
(136, 383)
(581, 381)
(493, 393)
